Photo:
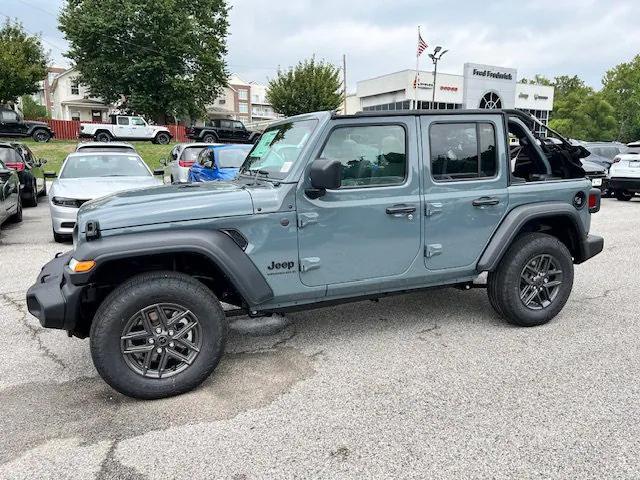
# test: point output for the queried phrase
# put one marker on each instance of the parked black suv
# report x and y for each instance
(222, 131)
(12, 125)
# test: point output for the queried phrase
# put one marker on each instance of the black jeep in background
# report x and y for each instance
(12, 125)
(222, 131)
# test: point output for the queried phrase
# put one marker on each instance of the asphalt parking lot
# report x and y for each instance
(429, 385)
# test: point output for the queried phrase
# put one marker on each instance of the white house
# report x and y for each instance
(70, 100)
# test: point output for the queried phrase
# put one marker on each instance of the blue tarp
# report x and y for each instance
(225, 160)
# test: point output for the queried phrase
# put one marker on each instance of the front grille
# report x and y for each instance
(68, 224)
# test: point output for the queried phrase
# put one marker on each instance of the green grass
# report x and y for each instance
(56, 151)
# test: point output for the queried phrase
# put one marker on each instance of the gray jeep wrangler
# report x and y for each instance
(326, 209)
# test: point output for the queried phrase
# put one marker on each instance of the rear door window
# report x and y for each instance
(463, 151)
(123, 121)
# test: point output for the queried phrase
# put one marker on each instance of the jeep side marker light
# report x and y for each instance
(80, 267)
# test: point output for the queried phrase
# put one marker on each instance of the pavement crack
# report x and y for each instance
(604, 294)
(275, 346)
(34, 332)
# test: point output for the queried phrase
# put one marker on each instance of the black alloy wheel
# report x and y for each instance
(161, 340)
(540, 282)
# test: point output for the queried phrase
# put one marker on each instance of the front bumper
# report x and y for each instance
(63, 219)
(53, 299)
(589, 247)
(621, 183)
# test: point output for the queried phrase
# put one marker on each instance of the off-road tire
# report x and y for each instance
(17, 217)
(32, 201)
(103, 137)
(162, 138)
(623, 195)
(41, 135)
(504, 284)
(209, 138)
(142, 291)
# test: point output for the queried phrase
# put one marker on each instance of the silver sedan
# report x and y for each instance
(86, 176)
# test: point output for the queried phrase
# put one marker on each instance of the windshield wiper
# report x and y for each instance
(259, 172)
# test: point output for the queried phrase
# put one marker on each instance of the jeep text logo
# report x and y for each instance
(286, 265)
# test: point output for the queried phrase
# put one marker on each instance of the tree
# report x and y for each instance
(33, 110)
(578, 111)
(621, 88)
(23, 62)
(310, 86)
(153, 57)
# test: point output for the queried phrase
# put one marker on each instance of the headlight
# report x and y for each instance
(67, 202)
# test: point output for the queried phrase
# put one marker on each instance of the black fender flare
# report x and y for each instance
(513, 222)
(205, 132)
(33, 128)
(216, 245)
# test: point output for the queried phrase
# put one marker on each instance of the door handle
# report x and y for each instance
(485, 201)
(400, 210)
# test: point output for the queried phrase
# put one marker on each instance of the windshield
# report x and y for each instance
(279, 148)
(232, 157)
(84, 166)
(92, 148)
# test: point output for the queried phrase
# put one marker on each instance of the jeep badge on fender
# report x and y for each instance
(379, 203)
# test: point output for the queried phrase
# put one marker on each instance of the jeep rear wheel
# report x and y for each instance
(103, 137)
(157, 335)
(209, 138)
(533, 281)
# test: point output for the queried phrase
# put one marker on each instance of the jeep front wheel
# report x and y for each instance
(41, 135)
(209, 138)
(533, 281)
(157, 335)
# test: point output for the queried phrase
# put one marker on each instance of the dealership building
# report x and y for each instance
(480, 86)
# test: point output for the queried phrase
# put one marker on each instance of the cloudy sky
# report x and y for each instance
(552, 37)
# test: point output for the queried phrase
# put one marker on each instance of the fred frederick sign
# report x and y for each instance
(482, 82)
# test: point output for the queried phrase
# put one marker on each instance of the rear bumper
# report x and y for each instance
(85, 135)
(589, 247)
(53, 299)
(620, 183)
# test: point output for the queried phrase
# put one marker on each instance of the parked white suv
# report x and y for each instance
(125, 127)
(624, 176)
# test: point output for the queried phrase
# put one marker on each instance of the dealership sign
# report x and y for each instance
(492, 74)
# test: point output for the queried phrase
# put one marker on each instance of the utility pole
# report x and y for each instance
(437, 54)
(344, 82)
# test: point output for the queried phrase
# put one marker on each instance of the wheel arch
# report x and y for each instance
(212, 257)
(560, 220)
(102, 130)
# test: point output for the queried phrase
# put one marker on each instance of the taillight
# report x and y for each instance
(594, 200)
(16, 166)
(185, 163)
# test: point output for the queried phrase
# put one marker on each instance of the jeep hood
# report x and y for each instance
(167, 204)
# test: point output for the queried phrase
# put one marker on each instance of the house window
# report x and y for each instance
(222, 101)
(243, 108)
(256, 99)
(243, 94)
(75, 87)
(75, 116)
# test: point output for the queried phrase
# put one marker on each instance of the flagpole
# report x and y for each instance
(417, 77)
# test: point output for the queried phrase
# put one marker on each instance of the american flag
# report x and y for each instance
(422, 45)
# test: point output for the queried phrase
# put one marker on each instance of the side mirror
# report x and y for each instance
(43, 161)
(164, 161)
(325, 175)
(5, 173)
(159, 171)
(50, 174)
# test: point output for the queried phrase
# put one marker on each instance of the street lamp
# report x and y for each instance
(437, 54)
